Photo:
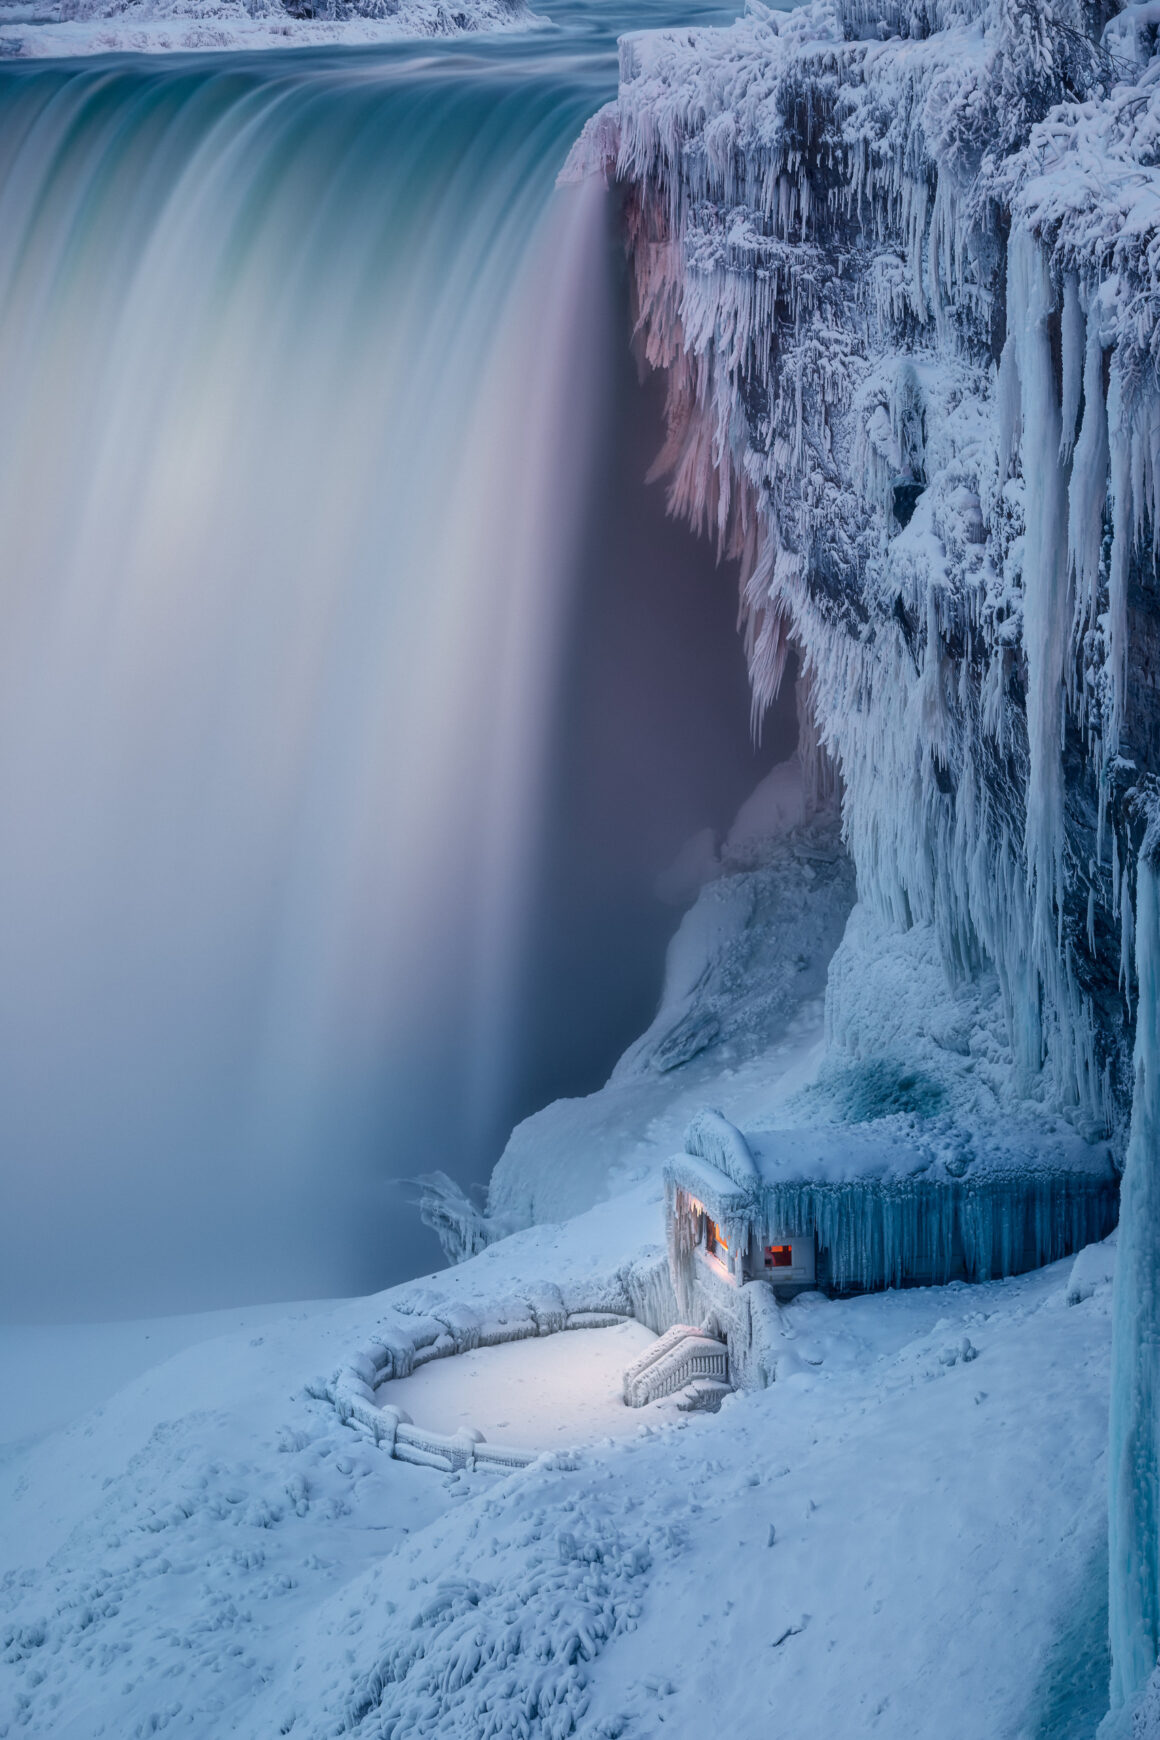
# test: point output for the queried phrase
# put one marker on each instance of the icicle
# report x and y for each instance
(1123, 538)
(873, 1234)
(1127, 940)
(1072, 339)
(1009, 404)
(1089, 488)
(1046, 617)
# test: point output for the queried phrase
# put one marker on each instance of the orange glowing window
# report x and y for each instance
(779, 1256)
(714, 1243)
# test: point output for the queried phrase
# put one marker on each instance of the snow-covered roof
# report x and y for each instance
(700, 1179)
(847, 1153)
(844, 1154)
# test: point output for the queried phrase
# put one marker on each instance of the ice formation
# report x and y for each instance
(1133, 1452)
(84, 27)
(810, 206)
(900, 266)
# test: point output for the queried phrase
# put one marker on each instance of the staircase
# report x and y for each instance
(680, 1357)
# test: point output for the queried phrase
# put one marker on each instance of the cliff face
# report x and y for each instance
(897, 267)
(901, 264)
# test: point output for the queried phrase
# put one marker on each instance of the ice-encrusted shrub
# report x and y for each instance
(478, 1661)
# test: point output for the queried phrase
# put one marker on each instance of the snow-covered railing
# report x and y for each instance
(678, 1358)
(356, 1389)
(466, 1448)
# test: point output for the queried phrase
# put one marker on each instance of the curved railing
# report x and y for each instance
(356, 1390)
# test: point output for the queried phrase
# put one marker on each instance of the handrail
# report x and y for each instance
(680, 1356)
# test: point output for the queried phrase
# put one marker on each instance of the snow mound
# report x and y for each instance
(715, 1139)
(1094, 1267)
(775, 808)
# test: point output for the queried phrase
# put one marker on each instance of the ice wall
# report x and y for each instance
(899, 264)
(1134, 1451)
(811, 208)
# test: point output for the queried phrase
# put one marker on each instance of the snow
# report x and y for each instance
(921, 1493)
(1095, 1265)
(100, 1359)
(549, 1392)
(90, 27)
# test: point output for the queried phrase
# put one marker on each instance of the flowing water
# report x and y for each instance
(303, 363)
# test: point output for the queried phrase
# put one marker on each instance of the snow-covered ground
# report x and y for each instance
(904, 1536)
(98, 1359)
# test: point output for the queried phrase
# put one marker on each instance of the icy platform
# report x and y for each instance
(546, 1392)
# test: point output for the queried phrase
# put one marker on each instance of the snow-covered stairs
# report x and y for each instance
(679, 1357)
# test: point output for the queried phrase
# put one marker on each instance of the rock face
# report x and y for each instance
(900, 264)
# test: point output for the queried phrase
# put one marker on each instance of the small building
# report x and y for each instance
(855, 1208)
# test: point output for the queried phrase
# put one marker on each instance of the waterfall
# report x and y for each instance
(299, 374)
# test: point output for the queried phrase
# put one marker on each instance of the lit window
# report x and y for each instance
(714, 1243)
(779, 1256)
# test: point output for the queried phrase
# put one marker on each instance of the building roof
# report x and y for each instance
(730, 1170)
(887, 1204)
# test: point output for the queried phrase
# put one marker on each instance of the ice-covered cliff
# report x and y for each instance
(907, 337)
(901, 263)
